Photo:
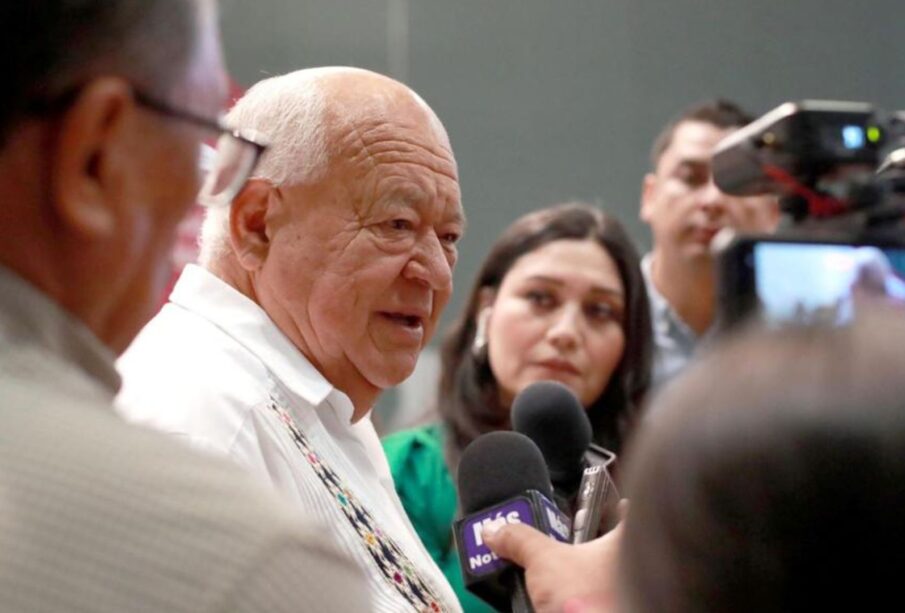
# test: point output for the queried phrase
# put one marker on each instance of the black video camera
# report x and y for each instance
(839, 171)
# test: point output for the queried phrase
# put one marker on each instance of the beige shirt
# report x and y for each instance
(97, 515)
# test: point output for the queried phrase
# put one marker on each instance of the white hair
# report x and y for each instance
(291, 112)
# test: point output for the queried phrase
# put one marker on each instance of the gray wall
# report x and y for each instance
(548, 100)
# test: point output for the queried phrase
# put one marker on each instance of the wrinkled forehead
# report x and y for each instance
(391, 126)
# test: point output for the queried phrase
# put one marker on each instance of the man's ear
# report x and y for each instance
(248, 217)
(87, 163)
(647, 196)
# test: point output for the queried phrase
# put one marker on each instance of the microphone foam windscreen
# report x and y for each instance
(549, 414)
(497, 466)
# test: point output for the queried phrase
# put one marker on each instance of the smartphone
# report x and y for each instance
(781, 280)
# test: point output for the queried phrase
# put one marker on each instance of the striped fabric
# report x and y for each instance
(100, 516)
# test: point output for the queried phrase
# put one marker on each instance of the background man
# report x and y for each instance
(100, 127)
(685, 210)
(321, 283)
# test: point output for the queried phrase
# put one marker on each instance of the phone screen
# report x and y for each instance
(816, 282)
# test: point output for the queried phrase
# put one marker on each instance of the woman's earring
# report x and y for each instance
(479, 346)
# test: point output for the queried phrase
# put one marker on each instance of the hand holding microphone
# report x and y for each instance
(560, 577)
(502, 480)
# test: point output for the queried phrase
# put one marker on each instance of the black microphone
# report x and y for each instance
(549, 414)
(502, 479)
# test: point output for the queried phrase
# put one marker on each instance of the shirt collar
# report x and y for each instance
(666, 320)
(27, 313)
(242, 319)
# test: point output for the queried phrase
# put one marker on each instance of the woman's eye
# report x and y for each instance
(603, 311)
(541, 299)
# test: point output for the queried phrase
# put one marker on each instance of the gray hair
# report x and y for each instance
(291, 111)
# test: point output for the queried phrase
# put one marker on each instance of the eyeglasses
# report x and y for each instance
(238, 151)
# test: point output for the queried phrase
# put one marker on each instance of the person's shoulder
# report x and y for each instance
(267, 540)
(180, 342)
(424, 484)
(416, 457)
(179, 366)
(298, 571)
(154, 515)
(424, 440)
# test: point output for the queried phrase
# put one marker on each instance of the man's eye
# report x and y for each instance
(694, 178)
(401, 224)
(450, 238)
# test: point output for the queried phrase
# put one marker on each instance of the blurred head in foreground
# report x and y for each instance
(774, 477)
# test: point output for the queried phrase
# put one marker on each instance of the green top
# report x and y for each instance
(429, 496)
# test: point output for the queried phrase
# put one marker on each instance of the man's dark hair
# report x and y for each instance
(50, 46)
(719, 112)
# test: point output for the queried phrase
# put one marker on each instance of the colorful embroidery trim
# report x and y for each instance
(389, 558)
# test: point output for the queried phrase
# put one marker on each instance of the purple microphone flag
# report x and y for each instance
(533, 509)
(478, 557)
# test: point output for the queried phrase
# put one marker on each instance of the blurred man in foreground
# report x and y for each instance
(320, 284)
(105, 106)
(776, 486)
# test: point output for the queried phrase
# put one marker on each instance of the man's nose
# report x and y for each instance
(711, 198)
(430, 264)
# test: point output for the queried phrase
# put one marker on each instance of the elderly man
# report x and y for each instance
(685, 210)
(104, 108)
(321, 283)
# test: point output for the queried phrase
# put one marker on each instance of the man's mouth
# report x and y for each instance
(404, 319)
(706, 234)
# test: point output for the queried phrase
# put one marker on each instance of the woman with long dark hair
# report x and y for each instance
(559, 297)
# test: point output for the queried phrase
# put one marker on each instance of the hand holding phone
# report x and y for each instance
(597, 496)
